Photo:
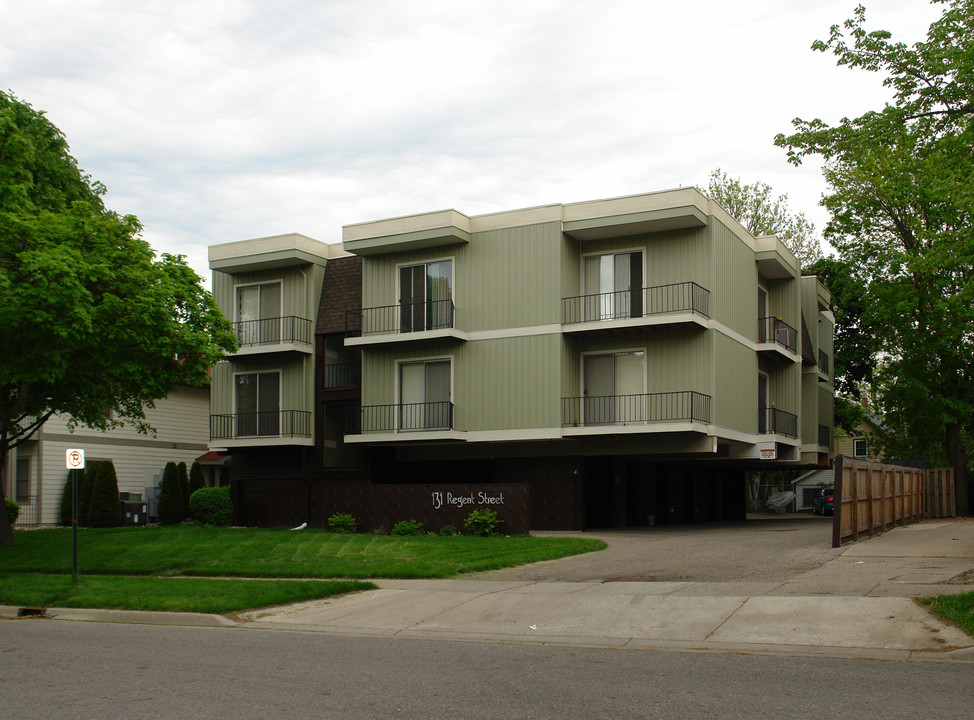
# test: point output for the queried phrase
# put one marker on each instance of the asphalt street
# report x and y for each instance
(55, 669)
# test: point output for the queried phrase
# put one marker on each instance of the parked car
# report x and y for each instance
(824, 502)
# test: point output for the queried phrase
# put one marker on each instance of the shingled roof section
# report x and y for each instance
(340, 291)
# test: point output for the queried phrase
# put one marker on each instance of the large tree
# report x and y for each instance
(901, 201)
(754, 206)
(92, 325)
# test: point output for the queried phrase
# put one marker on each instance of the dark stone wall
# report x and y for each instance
(290, 502)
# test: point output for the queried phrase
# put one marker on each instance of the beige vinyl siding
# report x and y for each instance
(181, 421)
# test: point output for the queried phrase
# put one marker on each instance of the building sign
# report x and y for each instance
(442, 498)
(74, 459)
(768, 453)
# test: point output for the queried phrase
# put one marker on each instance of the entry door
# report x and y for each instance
(613, 286)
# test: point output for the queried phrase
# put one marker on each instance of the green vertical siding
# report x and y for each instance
(734, 295)
(735, 394)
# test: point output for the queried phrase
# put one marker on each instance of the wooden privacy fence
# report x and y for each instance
(872, 497)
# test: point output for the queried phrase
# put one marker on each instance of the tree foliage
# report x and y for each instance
(93, 326)
(901, 202)
(754, 207)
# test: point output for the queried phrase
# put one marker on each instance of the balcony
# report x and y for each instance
(777, 422)
(824, 436)
(639, 411)
(777, 340)
(823, 366)
(676, 305)
(401, 418)
(279, 334)
(341, 375)
(402, 322)
(274, 424)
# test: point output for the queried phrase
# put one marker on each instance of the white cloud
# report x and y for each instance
(230, 119)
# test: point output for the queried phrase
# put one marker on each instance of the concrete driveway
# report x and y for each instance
(771, 585)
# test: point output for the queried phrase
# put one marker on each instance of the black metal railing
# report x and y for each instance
(272, 423)
(28, 514)
(273, 331)
(402, 318)
(824, 436)
(341, 375)
(404, 417)
(678, 297)
(823, 362)
(779, 422)
(635, 409)
(776, 330)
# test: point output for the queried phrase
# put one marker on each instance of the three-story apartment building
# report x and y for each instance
(622, 361)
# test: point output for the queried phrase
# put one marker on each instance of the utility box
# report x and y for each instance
(134, 513)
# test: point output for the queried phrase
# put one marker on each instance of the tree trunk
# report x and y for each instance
(6, 532)
(958, 456)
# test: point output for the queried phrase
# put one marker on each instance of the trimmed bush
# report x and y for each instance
(407, 527)
(184, 487)
(212, 506)
(342, 523)
(482, 522)
(171, 508)
(66, 496)
(105, 510)
(195, 478)
(13, 509)
(84, 491)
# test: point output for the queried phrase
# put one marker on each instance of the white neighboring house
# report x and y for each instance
(807, 486)
(36, 472)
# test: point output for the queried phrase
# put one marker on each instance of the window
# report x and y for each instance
(860, 447)
(613, 286)
(258, 404)
(762, 403)
(23, 480)
(426, 296)
(259, 314)
(341, 367)
(615, 386)
(424, 396)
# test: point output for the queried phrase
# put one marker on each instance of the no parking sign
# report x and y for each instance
(74, 459)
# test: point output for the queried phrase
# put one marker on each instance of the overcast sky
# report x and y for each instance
(222, 120)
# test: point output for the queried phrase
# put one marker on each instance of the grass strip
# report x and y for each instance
(199, 595)
(264, 553)
(958, 609)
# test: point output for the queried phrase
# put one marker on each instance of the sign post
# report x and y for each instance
(74, 459)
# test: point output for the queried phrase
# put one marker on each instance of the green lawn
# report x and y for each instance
(202, 595)
(261, 553)
(958, 609)
(189, 568)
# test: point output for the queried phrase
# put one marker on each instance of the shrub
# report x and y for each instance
(104, 510)
(183, 487)
(170, 497)
(68, 492)
(342, 523)
(84, 491)
(212, 506)
(13, 509)
(407, 527)
(448, 531)
(195, 478)
(482, 522)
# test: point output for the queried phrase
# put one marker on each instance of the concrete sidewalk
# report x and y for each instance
(856, 605)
